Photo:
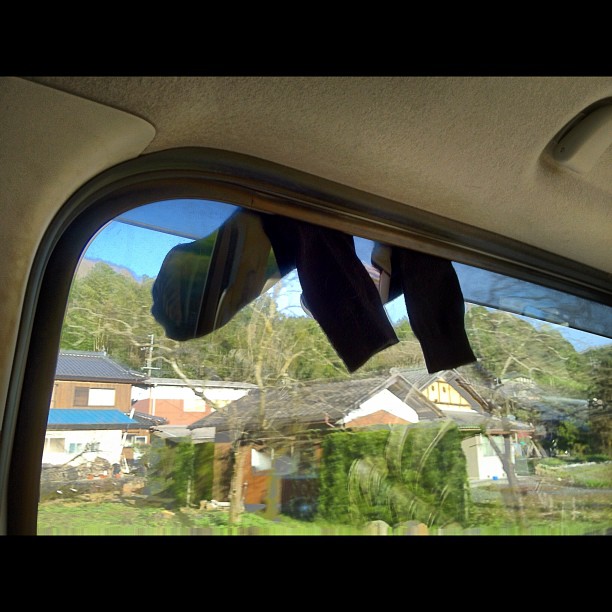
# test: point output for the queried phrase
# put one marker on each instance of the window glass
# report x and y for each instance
(101, 397)
(81, 396)
(251, 421)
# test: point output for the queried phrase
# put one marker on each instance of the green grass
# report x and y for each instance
(116, 518)
(570, 501)
(590, 476)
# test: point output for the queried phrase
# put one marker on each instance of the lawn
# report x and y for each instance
(116, 517)
(567, 500)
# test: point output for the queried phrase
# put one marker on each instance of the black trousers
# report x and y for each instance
(342, 298)
(337, 289)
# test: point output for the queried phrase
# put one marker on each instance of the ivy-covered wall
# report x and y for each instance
(406, 473)
(183, 472)
(203, 470)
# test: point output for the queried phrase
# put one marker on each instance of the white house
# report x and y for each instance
(76, 436)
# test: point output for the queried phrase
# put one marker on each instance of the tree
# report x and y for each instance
(570, 438)
(269, 346)
(600, 399)
(106, 311)
(508, 346)
(273, 350)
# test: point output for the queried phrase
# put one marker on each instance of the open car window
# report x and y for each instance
(218, 401)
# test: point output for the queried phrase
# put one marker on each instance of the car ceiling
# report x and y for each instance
(473, 149)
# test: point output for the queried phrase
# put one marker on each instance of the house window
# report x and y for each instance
(487, 447)
(84, 396)
(83, 447)
(81, 396)
(132, 440)
(55, 445)
(101, 397)
(260, 462)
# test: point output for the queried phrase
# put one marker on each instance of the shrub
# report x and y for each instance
(203, 471)
(406, 473)
(597, 458)
(182, 472)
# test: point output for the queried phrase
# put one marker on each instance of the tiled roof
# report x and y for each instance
(420, 378)
(77, 418)
(474, 420)
(300, 403)
(92, 366)
(179, 432)
(179, 382)
(148, 420)
(328, 402)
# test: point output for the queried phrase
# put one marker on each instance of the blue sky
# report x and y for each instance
(133, 248)
(142, 250)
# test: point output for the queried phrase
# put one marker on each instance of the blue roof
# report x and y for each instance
(93, 366)
(107, 419)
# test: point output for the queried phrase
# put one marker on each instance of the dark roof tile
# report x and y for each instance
(300, 403)
(320, 403)
(93, 366)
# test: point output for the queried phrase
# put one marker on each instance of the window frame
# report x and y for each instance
(209, 174)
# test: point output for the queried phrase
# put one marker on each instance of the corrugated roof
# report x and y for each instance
(82, 418)
(93, 366)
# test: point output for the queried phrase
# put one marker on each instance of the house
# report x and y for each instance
(181, 402)
(548, 409)
(90, 416)
(173, 434)
(300, 414)
(76, 435)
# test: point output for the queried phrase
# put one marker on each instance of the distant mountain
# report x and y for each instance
(87, 264)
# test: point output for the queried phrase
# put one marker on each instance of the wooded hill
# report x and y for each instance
(110, 311)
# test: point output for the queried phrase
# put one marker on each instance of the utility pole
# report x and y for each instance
(149, 365)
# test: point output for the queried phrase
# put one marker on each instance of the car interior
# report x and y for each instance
(459, 196)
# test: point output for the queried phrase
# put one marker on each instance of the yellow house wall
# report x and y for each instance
(444, 395)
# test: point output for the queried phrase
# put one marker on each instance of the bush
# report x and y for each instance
(408, 473)
(550, 462)
(597, 458)
(340, 451)
(182, 472)
(203, 470)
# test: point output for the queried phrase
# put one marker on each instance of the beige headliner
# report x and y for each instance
(466, 148)
(50, 144)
